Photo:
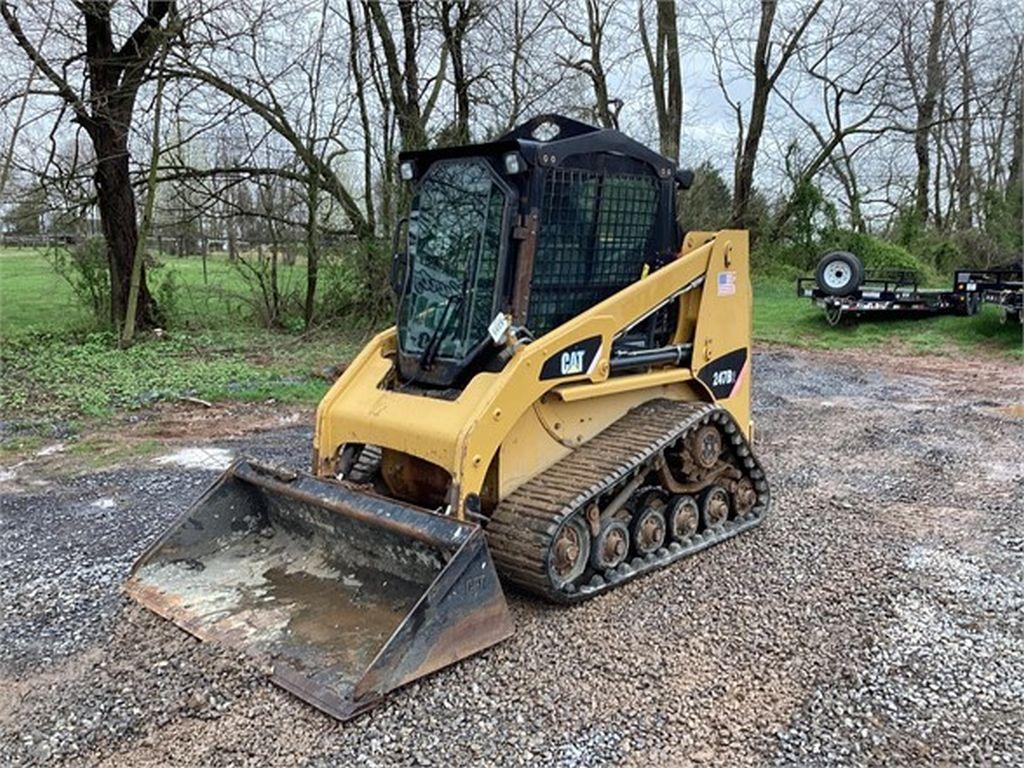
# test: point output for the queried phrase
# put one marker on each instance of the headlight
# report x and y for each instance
(407, 171)
(514, 163)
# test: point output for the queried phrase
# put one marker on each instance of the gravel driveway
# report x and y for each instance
(877, 617)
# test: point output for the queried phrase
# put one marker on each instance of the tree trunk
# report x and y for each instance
(964, 170)
(359, 79)
(135, 283)
(744, 181)
(312, 253)
(965, 216)
(1015, 169)
(669, 127)
(275, 291)
(926, 111)
(204, 247)
(666, 76)
(403, 77)
(606, 116)
(454, 35)
(853, 196)
(116, 201)
(667, 24)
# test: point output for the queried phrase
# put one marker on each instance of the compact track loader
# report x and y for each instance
(564, 402)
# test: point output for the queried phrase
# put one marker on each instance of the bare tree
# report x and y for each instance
(114, 75)
(282, 100)
(406, 90)
(666, 74)
(766, 74)
(925, 91)
(517, 78)
(999, 114)
(854, 90)
(588, 33)
(22, 96)
(457, 17)
(135, 285)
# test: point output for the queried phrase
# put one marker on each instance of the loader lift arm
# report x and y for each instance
(489, 408)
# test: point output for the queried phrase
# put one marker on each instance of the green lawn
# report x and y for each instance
(34, 297)
(66, 378)
(58, 365)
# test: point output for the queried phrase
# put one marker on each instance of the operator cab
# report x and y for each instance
(537, 226)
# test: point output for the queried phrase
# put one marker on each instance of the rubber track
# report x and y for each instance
(525, 523)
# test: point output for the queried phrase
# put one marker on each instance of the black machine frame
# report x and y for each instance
(541, 284)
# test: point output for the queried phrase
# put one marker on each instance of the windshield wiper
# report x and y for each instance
(441, 332)
(451, 307)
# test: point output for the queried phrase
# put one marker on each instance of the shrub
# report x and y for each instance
(1004, 221)
(811, 217)
(84, 267)
(166, 294)
(980, 250)
(272, 292)
(353, 284)
(876, 254)
(779, 260)
(707, 204)
(941, 252)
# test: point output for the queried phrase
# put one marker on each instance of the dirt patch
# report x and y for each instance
(162, 429)
(1015, 411)
(960, 374)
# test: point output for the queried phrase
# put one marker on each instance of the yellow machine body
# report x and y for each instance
(511, 425)
(597, 428)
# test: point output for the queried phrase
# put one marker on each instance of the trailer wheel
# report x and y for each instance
(972, 304)
(839, 273)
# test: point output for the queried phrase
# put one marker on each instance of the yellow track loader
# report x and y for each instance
(563, 402)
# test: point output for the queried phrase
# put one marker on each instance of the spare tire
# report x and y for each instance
(839, 273)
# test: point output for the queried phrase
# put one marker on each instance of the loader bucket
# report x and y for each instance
(346, 594)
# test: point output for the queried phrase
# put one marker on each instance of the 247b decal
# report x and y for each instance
(722, 375)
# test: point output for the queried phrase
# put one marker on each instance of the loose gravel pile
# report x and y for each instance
(876, 617)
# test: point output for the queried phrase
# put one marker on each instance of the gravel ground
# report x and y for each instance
(875, 618)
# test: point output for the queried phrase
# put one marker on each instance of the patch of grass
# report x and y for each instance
(55, 376)
(780, 316)
(33, 297)
(103, 451)
(57, 365)
(18, 445)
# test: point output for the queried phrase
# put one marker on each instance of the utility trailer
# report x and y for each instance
(1000, 286)
(843, 289)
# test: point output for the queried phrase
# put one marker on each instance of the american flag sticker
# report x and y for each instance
(727, 283)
